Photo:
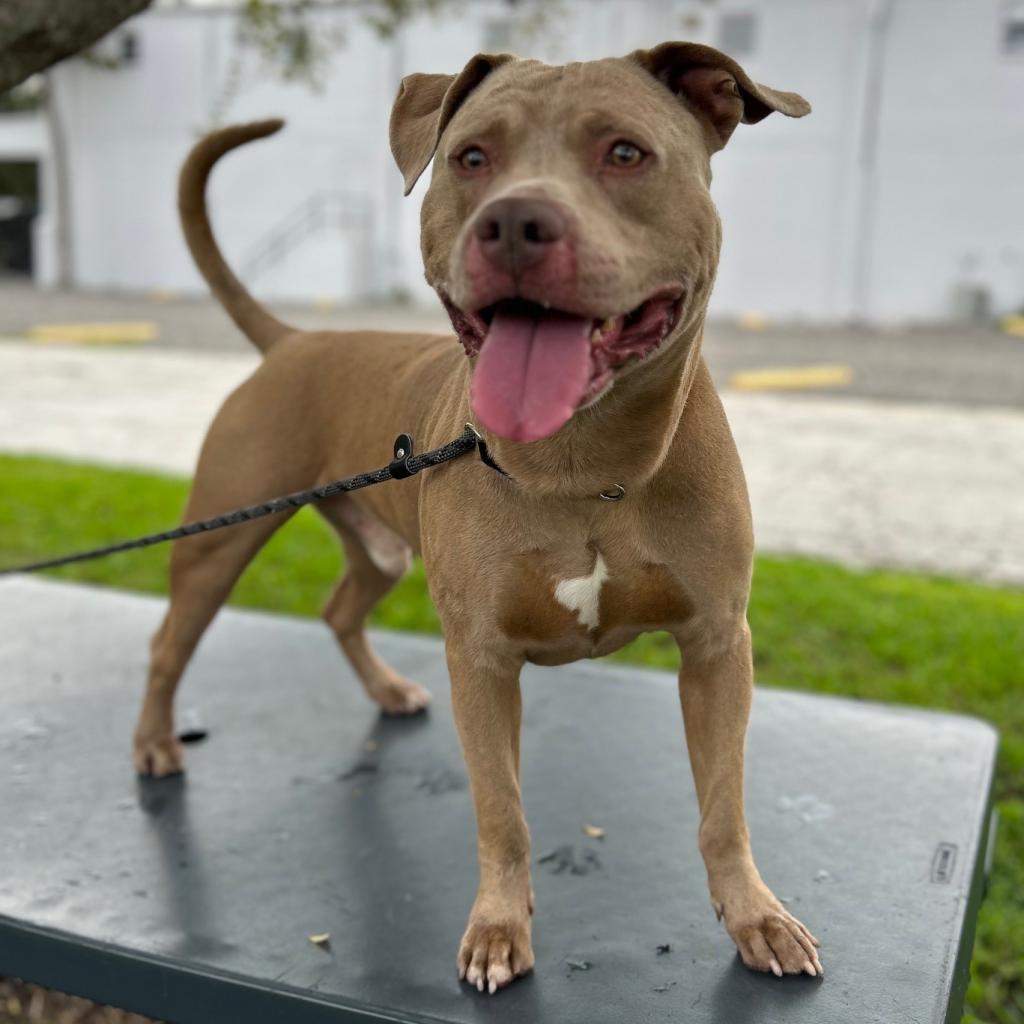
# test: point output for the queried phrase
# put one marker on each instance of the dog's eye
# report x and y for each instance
(625, 154)
(473, 159)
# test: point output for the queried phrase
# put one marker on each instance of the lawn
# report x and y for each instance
(878, 635)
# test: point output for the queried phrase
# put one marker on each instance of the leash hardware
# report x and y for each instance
(400, 467)
(485, 455)
(616, 493)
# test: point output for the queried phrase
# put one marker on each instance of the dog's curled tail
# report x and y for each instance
(257, 323)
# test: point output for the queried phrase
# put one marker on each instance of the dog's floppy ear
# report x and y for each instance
(424, 106)
(716, 87)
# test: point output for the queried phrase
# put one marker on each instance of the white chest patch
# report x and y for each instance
(583, 594)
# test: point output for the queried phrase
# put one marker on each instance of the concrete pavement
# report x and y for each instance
(912, 485)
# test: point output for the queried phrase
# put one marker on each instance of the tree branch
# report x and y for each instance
(35, 34)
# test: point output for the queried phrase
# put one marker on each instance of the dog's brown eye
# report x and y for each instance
(625, 154)
(473, 159)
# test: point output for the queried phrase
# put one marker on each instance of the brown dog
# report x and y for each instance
(569, 231)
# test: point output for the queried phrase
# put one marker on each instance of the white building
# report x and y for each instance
(898, 198)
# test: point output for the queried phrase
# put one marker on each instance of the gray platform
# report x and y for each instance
(193, 899)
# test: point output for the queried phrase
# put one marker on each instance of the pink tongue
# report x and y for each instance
(531, 374)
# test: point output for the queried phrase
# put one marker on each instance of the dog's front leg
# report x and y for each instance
(715, 688)
(496, 947)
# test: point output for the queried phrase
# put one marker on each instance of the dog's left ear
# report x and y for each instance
(424, 106)
(716, 87)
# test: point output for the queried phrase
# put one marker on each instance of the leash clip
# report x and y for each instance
(399, 466)
(485, 455)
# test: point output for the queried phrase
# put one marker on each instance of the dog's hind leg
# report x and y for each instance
(377, 559)
(204, 568)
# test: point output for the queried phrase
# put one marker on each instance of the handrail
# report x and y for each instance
(328, 208)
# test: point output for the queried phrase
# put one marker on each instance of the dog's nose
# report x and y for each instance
(515, 234)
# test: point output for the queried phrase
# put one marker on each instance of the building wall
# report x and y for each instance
(949, 207)
(842, 215)
(22, 136)
(129, 131)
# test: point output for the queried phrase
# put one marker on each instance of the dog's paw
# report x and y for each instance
(157, 757)
(494, 953)
(768, 937)
(399, 696)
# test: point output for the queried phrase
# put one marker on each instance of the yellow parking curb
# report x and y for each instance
(791, 378)
(1012, 325)
(753, 321)
(121, 333)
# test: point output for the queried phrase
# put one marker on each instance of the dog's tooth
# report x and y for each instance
(608, 325)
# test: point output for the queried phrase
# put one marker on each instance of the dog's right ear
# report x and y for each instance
(424, 106)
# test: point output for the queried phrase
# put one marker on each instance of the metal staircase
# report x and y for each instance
(329, 209)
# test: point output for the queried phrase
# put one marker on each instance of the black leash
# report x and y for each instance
(404, 464)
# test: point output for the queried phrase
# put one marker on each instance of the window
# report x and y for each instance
(737, 34)
(1013, 29)
(499, 34)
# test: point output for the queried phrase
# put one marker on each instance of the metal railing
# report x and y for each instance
(329, 209)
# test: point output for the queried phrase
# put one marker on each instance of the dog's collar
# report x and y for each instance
(615, 493)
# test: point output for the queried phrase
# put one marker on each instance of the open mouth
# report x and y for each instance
(535, 366)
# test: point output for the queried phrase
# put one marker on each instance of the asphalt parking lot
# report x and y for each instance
(959, 366)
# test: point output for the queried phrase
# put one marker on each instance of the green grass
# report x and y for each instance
(878, 635)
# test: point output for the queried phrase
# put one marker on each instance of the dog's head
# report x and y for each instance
(568, 227)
